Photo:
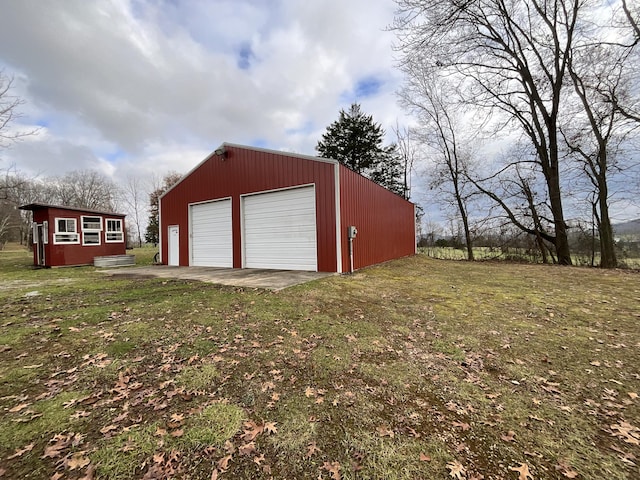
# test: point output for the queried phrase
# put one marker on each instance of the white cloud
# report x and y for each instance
(135, 86)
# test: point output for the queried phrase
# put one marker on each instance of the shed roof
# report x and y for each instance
(40, 206)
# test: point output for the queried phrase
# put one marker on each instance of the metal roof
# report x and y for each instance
(38, 206)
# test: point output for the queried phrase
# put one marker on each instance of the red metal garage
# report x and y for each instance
(248, 207)
(74, 236)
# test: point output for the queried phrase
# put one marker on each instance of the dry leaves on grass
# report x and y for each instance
(626, 432)
(385, 431)
(456, 470)
(565, 469)
(78, 460)
(17, 408)
(523, 470)
(312, 449)
(270, 427)
(247, 449)
(334, 469)
(21, 451)
(509, 436)
(251, 431)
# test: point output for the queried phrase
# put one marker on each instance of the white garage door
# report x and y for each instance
(280, 230)
(211, 244)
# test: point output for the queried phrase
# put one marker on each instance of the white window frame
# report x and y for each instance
(58, 234)
(85, 229)
(107, 231)
(91, 232)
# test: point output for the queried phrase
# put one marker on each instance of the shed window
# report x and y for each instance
(91, 238)
(66, 231)
(91, 224)
(114, 230)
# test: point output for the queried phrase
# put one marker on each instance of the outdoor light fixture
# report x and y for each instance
(221, 152)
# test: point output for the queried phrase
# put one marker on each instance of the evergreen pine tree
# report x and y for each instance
(356, 141)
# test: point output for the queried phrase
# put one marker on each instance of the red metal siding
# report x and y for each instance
(246, 171)
(76, 254)
(385, 221)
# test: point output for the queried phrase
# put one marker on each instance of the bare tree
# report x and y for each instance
(439, 130)
(9, 113)
(407, 153)
(632, 17)
(520, 207)
(509, 58)
(84, 189)
(134, 200)
(11, 183)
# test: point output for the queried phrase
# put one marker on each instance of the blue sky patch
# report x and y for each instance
(244, 57)
(259, 142)
(367, 87)
(114, 155)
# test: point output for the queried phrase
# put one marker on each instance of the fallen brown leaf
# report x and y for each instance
(270, 427)
(21, 451)
(17, 408)
(312, 449)
(627, 432)
(456, 469)
(108, 429)
(247, 449)
(251, 431)
(523, 470)
(334, 469)
(463, 425)
(566, 470)
(78, 460)
(424, 458)
(90, 473)
(384, 431)
(223, 463)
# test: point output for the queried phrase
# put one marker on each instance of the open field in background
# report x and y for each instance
(516, 255)
(418, 368)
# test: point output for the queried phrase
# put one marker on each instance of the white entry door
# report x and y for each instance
(280, 229)
(174, 246)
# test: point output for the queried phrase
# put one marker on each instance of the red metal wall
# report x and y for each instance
(75, 254)
(243, 171)
(385, 221)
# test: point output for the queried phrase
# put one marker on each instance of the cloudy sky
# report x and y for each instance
(136, 87)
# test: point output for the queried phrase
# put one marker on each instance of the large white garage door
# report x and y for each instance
(280, 230)
(211, 244)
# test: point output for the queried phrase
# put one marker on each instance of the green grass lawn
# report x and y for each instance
(416, 369)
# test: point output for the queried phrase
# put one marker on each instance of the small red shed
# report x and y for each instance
(247, 207)
(74, 236)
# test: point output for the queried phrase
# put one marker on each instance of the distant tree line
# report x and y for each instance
(82, 189)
